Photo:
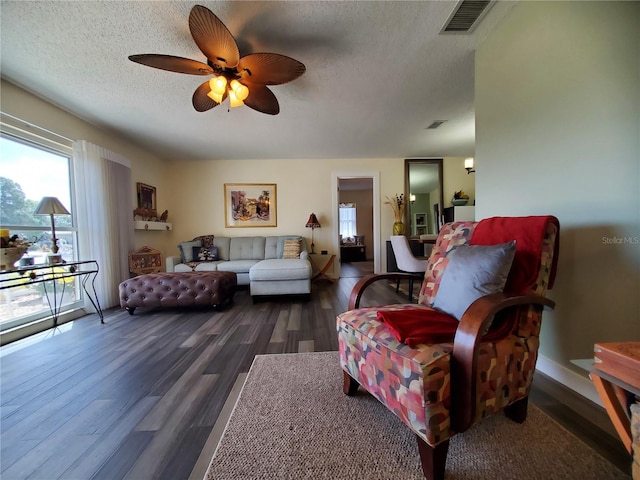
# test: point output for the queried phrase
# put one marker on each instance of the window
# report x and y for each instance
(347, 218)
(29, 170)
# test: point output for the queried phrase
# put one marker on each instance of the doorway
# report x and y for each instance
(358, 254)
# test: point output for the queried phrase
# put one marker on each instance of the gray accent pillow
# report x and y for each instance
(186, 250)
(473, 271)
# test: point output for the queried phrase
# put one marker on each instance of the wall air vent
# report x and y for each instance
(466, 16)
(435, 124)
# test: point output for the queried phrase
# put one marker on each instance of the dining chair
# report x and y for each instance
(407, 262)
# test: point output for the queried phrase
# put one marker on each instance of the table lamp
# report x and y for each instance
(312, 223)
(51, 206)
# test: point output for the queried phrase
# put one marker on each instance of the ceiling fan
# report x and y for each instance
(243, 80)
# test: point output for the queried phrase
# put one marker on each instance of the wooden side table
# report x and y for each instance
(616, 397)
(323, 272)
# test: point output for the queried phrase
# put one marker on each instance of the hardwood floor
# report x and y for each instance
(147, 396)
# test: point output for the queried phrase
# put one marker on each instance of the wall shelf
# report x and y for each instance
(144, 225)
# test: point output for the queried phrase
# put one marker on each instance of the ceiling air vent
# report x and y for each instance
(435, 124)
(466, 16)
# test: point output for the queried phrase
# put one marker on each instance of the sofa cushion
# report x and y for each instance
(182, 267)
(238, 266)
(186, 250)
(292, 248)
(271, 247)
(281, 240)
(206, 254)
(247, 248)
(207, 241)
(223, 245)
(206, 267)
(280, 269)
(472, 272)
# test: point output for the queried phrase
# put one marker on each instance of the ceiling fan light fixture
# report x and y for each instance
(234, 101)
(216, 97)
(241, 91)
(218, 84)
(217, 43)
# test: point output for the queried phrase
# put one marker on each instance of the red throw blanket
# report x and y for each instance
(421, 325)
(528, 232)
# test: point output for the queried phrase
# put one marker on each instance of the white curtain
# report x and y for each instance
(105, 219)
(347, 219)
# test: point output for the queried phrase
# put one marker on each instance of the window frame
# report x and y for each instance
(353, 222)
(48, 142)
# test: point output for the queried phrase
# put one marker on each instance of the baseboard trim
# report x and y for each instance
(40, 325)
(570, 379)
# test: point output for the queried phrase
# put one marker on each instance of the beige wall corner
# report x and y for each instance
(557, 122)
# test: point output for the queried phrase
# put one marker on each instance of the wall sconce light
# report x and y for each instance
(469, 165)
(412, 198)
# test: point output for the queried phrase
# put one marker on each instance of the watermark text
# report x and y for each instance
(621, 240)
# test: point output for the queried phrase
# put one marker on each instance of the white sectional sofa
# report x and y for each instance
(257, 261)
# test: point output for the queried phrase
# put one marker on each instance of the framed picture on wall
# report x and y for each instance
(250, 205)
(146, 196)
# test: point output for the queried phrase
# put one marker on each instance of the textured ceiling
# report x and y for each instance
(378, 73)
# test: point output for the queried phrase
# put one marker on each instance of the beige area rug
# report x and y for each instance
(292, 421)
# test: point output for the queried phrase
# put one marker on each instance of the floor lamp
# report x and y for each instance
(312, 223)
(51, 206)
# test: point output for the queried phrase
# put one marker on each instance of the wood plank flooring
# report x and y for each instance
(147, 396)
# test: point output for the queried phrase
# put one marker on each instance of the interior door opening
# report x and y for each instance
(356, 213)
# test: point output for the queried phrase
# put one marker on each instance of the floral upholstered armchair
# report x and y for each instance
(468, 349)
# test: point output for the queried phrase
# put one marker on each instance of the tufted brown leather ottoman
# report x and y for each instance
(178, 289)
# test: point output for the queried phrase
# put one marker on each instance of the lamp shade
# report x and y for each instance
(313, 221)
(51, 205)
(468, 162)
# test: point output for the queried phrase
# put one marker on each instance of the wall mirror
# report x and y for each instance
(423, 188)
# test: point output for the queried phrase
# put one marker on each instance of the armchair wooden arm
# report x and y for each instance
(364, 282)
(474, 324)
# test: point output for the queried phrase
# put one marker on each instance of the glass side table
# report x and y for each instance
(85, 270)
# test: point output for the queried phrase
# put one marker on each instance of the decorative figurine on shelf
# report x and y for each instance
(147, 214)
(459, 198)
(164, 216)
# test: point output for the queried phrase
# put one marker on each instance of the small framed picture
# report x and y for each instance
(146, 196)
(250, 205)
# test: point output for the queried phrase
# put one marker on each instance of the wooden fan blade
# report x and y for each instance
(172, 64)
(213, 37)
(201, 101)
(262, 99)
(269, 68)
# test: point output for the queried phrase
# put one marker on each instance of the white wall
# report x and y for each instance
(145, 167)
(558, 132)
(303, 186)
(193, 191)
(455, 178)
